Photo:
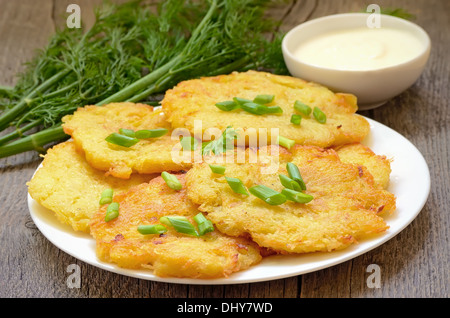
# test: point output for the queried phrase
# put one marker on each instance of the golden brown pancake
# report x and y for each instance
(378, 165)
(347, 204)
(171, 254)
(90, 125)
(67, 185)
(194, 100)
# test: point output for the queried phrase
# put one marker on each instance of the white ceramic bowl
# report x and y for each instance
(373, 88)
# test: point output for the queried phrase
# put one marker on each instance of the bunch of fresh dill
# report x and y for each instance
(131, 53)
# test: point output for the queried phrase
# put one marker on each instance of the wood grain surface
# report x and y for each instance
(412, 264)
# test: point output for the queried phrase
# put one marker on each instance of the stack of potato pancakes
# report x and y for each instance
(184, 204)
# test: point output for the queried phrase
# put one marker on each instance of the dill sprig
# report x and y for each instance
(131, 54)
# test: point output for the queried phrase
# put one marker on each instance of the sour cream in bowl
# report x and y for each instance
(347, 53)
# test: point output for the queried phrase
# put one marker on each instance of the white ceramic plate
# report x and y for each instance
(410, 182)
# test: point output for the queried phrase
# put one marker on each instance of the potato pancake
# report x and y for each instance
(67, 185)
(171, 254)
(194, 100)
(346, 203)
(378, 166)
(90, 125)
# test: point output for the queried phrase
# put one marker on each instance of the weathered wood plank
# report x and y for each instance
(25, 27)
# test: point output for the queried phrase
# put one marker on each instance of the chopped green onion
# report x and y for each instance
(240, 101)
(217, 169)
(171, 180)
(289, 183)
(294, 173)
(151, 133)
(121, 140)
(152, 229)
(267, 194)
(180, 223)
(319, 115)
(285, 142)
(189, 143)
(254, 108)
(127, 132)
(302, 108)
(105, 200)
(297, 196)
(112, 211)
(258, 109)
(296, 119)
(165, 220)
(236, 185)
(204, 225)
(106, 196)
(273, 110)
(263, 99)
(227, 106)
(200, 218)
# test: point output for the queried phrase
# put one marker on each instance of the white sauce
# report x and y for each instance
(360, 49)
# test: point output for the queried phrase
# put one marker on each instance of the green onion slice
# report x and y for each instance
(240, 101)
(217, 169)
(227, 106)
(127, 132)
(180, 224)
(253, 108)
(319, 115)
(236, 185)
(297, 196)
(171, 180)
(112, 211)
(150, 133)
(165, 220)
(204, 225)
(263, 99)
(289, 183)
(152, 229)
(106, 196)
(302, 108)
(296, 119)
(267, 194)
(121, 140)
(285, 142)
(294, 173)
(189, 143)
(259, 109)
(200, 218)
(273, 110)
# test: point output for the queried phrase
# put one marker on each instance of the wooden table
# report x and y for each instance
(412, 264)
